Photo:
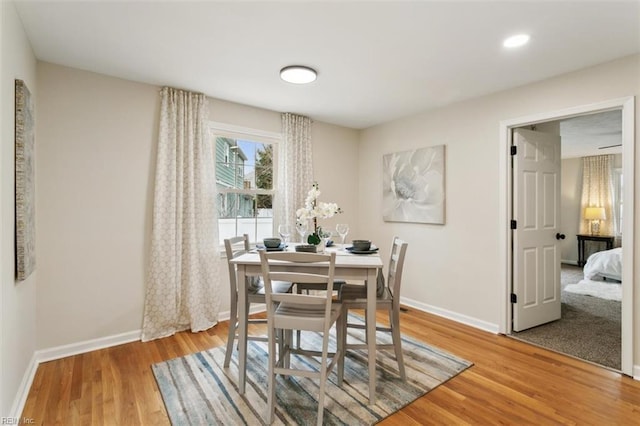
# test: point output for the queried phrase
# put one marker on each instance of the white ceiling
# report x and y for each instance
(593, 134)
(376, 61)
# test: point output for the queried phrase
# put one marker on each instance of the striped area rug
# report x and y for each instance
(197, 390)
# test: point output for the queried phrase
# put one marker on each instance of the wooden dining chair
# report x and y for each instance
(305, 288)
(290, 312)
(235, 247)
(354, 296)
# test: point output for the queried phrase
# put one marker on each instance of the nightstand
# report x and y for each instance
(607, 239)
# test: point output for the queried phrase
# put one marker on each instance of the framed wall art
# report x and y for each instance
(413, 186)
(25, 242)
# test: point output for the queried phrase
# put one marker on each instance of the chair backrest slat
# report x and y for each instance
(325, 265)
(235, 247)
(396, 265)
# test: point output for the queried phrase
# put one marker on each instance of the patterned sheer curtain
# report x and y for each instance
(597, 191)
(183, 281)
(295, 166)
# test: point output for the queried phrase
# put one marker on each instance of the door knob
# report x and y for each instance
(560, 236)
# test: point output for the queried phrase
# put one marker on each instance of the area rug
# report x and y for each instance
(603, 289)
(197, 390)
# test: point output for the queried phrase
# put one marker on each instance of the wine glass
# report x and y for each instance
(342, 229)
(285, 232)
(326, 236)
(302, 227)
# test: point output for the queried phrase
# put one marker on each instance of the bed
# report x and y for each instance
(606, 264)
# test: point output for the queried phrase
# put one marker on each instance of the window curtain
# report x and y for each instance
(183, 278)
(597, 191)
(295, 167)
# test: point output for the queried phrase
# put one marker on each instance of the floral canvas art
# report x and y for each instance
(413, 186)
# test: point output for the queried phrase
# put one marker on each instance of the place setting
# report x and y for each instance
(272, 244)
(362, 247)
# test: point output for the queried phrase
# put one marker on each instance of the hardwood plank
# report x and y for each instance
(511, 382)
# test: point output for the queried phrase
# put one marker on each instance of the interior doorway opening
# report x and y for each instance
(625, 108)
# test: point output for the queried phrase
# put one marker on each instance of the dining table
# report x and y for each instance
(349, 267)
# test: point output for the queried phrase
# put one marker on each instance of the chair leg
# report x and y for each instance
(287, 335)
(231, 337)
(394, 321)
(298, 332)
(271, 396)
(341, 329)
(323, 379)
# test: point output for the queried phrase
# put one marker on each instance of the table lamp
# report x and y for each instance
(595, 215)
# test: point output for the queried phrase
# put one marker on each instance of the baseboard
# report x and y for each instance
(23, 390)
(87, 346)
(569, 262)
(255, 309)
(636, 372)
(454, 316)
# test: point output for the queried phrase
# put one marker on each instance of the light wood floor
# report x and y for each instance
(510, 383)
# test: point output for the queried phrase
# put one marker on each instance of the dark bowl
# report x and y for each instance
(272, 242)
(361, 245)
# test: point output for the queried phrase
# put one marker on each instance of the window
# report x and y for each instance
(245, 178)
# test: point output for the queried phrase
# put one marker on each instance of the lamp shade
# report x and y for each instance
(594, 213)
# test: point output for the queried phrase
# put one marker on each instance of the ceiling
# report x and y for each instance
(592, 134)
(376, 61)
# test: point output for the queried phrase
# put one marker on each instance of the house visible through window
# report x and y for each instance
(245, 177)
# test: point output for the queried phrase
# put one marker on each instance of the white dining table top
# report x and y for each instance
(343, 258)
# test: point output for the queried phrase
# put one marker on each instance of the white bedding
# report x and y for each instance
(606, 264)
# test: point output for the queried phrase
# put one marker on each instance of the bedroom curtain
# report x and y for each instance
(183, 280)
(295, 166)
(597, 191)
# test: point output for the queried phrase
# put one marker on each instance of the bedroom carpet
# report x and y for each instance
(589, 328)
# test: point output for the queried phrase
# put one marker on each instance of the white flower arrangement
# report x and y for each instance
(314, 209)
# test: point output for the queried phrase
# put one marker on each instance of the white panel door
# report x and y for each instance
(536, 251)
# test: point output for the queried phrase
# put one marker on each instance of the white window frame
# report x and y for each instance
(217, 129)
(227, 155)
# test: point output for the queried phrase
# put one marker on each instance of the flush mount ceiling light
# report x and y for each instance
(298, 74)
(516, 40)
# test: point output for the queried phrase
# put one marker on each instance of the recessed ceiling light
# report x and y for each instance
(516, 40)
(298, 74)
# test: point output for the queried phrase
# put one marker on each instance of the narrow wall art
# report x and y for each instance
(25, 242)
(413, 186)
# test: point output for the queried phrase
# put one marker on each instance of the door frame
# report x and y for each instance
(626, 105)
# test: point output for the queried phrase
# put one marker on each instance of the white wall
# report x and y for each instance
(571, 194)
(455, 267)
(95, 176)
(17, 299)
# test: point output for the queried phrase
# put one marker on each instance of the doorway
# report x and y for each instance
(626, 106)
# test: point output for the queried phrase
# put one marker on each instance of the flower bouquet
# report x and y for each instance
(314, 209)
